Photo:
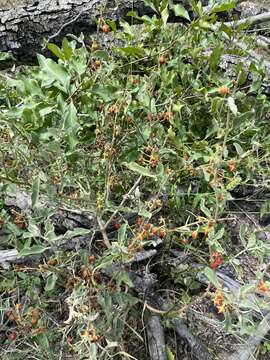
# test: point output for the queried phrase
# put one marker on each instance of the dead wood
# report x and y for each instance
(24, 26)
(26, 23)
(156, 338)
(248, 349)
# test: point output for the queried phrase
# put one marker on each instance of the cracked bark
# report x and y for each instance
(24, 24)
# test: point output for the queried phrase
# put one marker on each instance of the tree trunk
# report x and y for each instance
(25, 23)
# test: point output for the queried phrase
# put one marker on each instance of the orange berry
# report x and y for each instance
(106, 29)
(184, 241)
(219, 297)
(194, 235)
(262, 286)
(91, 258)
(232, 166)
(224, 90)
(135, 81)
(113, 109)
(147, 226)
(94, 338)
(34, 321)
(162, 233)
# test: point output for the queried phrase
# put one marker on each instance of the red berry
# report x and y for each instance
(186, 157)
(12, 336)
(162, 60)
(162, 233)
(117, 226)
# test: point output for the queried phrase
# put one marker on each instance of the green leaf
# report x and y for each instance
(112, 24)
(56, 51)
(67, 49)
(139, 169)
(122, 233)
(224, 6)
(169, 353)
(219, 234)
(247, 288)
(249, 304)
(133, 51)
(238, 149)
(101, 54)
(33, 231)
(232, 105)
(76, 232)
(6, 56)
(179, 10)
(211, 276)
(233, 183)
(50, 282)
(54, 71)
(154, 4)
(123, 278)
(34, 250)
(145, 213)
(165, 15)
(204, 209)
(49, 231)
(35, 191)
(71, 125)
(215, 57)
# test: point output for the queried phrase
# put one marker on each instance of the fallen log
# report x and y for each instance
(156, 338)
(25, 24)
(247, 350)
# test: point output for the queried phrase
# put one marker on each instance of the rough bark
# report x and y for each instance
(25, 24)
(247, 351)
(156, 338)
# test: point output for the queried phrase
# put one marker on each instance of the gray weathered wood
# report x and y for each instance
(156, 338)
(248, 349)
(25, 23)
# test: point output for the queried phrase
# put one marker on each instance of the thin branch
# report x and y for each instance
(251, 20)
(156, 338)
(62, 27)
(103, 232)
(125, 197)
